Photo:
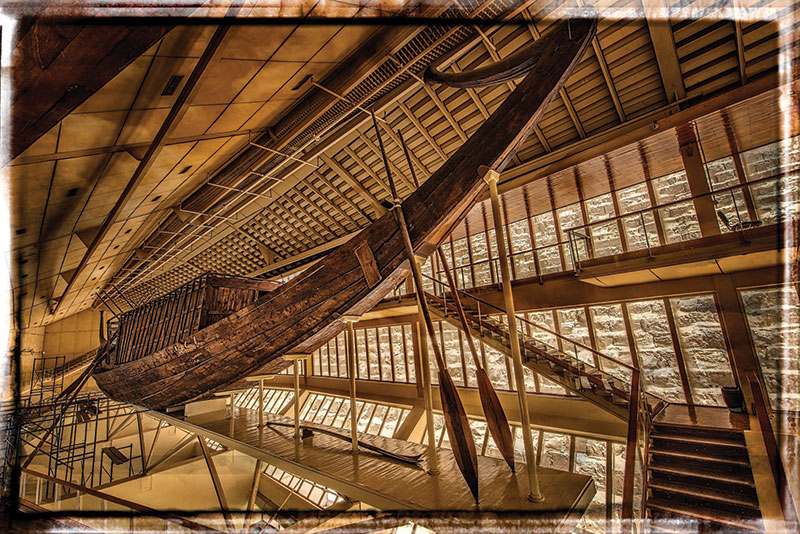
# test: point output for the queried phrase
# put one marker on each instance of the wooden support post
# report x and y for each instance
(141, 442)
(699, 187)
(251, 501)
(491, 177)
(296, 364)
(427, 390)
(351, 376)
(260, 402)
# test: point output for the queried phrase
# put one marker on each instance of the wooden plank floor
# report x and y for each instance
(388, 484)
(703, 416)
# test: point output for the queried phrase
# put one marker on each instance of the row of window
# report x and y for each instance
(666, 338)
(630, 219)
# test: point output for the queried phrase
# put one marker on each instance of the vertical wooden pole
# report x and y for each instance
(351, 376)
(260, 402)
(427, 393)
(296, 365)
(535, 494)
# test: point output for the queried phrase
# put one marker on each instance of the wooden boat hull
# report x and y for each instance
(306, 311)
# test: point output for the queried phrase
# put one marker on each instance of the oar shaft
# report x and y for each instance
(460, 309)
(397, 212)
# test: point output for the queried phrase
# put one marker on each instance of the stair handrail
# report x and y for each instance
(640, 416)
(576, 344)
(773, 451)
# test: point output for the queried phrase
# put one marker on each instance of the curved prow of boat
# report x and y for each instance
(305, 312)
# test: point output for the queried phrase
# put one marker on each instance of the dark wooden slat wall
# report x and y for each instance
(179, 314)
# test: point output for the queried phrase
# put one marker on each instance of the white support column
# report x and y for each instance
(350, 351)
(260, 379)
(491, 177)
(260, 402)
(296, 363)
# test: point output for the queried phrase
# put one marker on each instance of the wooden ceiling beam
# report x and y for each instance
(344, 197)
(561, 92)
(422, 130)
(434, 96)
(375, 150)
(361, 163)
(325, 199)
(418, 162)
(176, 113)
(490, 48)
(473, 94)
(664, 46)
(635, 130)
(601, 61)
(327, 215)
(353, 182)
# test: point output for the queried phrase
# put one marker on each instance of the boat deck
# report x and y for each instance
(388, 484)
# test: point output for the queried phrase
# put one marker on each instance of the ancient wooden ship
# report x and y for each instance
(212, 332)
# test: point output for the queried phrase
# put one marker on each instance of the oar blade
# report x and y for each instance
(459, 432)
(496, 418)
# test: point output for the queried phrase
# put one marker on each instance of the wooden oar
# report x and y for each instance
(492, 409)
(496, 418)
(455, 418)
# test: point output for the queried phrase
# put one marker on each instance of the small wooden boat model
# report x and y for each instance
(169, 365)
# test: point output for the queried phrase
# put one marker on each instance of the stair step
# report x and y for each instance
(708, 520)
(705, 464)
(705, 498)
(698, 446)
(731, 483)
(686, 431)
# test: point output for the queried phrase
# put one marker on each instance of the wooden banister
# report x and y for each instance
(630, 452)
(773, 451)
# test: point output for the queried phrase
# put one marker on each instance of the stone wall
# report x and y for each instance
(773, 315)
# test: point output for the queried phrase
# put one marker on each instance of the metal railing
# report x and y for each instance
(635, 230)
(70, 497)
(639, 217)
(641, 411)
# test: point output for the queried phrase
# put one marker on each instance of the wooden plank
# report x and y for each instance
(368, 264)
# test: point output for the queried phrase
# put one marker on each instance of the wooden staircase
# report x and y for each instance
(581, 377)
(699, 480)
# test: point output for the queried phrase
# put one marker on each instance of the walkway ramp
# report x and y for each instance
(387, 484)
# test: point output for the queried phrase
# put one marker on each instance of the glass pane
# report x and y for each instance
(612, 339)
(773, 315)
(703, 347)
(654, 348)
(555, 451)
(678, 220)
